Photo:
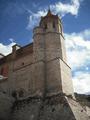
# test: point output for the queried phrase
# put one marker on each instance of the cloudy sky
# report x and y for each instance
(18, 18)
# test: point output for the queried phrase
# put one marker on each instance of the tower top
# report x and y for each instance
(49, 13)
(51, 22)
(49, 16)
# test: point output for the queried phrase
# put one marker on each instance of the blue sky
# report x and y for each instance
(18, 18)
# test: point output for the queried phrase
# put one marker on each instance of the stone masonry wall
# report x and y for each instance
(67, 85)
(51, 108)
(53, 81)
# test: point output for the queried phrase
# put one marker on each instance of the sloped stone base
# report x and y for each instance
(50, 108)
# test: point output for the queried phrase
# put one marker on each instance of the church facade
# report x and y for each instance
(40, 70)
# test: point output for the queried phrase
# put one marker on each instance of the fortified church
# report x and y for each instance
(35, 80)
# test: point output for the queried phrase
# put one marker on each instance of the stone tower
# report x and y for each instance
(41, 70)
(52, 75)
(50, 54)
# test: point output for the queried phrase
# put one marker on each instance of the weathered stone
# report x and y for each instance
(39, 79)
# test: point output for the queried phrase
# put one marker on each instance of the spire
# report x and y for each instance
(49, 12)
(49, 15)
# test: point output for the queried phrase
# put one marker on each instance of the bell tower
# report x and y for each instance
(49, 47)
(52, 28)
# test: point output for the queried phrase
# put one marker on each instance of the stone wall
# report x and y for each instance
(26, 110)
(4, 85)
(6, 104)
(23, 78)
(67, 85)
(53, 81)
(52, 46)
(39, 78)
(50, 108)
(22, 62)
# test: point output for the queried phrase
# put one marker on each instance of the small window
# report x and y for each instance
(45, 26)
(2, 70)
(53, 24)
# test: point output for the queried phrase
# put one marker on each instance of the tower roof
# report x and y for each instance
(49, 15)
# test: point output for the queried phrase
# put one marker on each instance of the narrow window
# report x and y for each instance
(2, 70)
(53, 24)
(45, 26)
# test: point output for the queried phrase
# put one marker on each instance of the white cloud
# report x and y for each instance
(63, 9)
(34, 18)
(78, 52)
(78, 49)
(11, 40)
(81, 82)
(58, 8)
(6, 49)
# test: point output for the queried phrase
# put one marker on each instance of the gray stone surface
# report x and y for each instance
(26, 110)
(51, 108)
(6, 104)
